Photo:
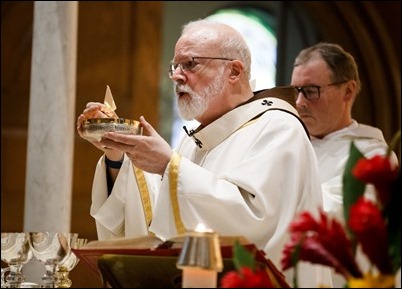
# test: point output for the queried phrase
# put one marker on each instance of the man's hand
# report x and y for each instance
(96, 110)
(149, 151)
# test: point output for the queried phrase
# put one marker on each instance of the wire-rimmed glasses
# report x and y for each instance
(191, 63)
(312, 92)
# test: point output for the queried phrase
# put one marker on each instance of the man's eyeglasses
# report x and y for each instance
(312, 92)
(190, 64)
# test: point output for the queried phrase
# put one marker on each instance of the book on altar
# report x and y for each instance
(136, 262)
(146, 245)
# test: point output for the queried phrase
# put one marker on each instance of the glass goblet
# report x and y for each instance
(16, 252)
(68, 264)
(51, 249)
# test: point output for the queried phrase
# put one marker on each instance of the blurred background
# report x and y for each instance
(128, 45)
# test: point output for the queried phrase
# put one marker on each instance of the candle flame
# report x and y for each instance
(202, 228)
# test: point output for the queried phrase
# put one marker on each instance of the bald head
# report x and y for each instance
(215, 36)
(209, 31)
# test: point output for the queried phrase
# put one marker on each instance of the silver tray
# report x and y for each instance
(94, 128)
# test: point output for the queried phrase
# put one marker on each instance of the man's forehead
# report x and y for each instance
(187, 48)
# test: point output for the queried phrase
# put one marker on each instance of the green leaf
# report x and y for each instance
(352, 187)
(242, 257)
(395, 139)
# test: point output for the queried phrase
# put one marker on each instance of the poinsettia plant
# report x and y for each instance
(248, 273)
(374, 226)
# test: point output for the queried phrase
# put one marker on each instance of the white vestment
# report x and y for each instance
(332, 154)
(254, 172)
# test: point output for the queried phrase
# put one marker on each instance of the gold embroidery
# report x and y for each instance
(173, 176)
(144, 193)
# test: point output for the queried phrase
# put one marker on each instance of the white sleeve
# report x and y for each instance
(121, 214)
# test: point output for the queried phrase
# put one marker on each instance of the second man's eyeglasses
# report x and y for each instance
(312, 92)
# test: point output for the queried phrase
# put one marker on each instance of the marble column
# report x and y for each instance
(51, 127)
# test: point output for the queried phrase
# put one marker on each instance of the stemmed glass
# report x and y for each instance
(16, 252)
(51, 249)
(68, 264)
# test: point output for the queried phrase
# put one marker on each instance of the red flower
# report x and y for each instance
(320, 242)
(377, 171)
(246, 278)
(249, 273)
(375, 227)
(366, 221)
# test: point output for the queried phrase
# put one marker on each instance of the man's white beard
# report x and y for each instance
(189, 109)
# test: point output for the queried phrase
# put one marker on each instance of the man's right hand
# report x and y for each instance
(96, 110)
